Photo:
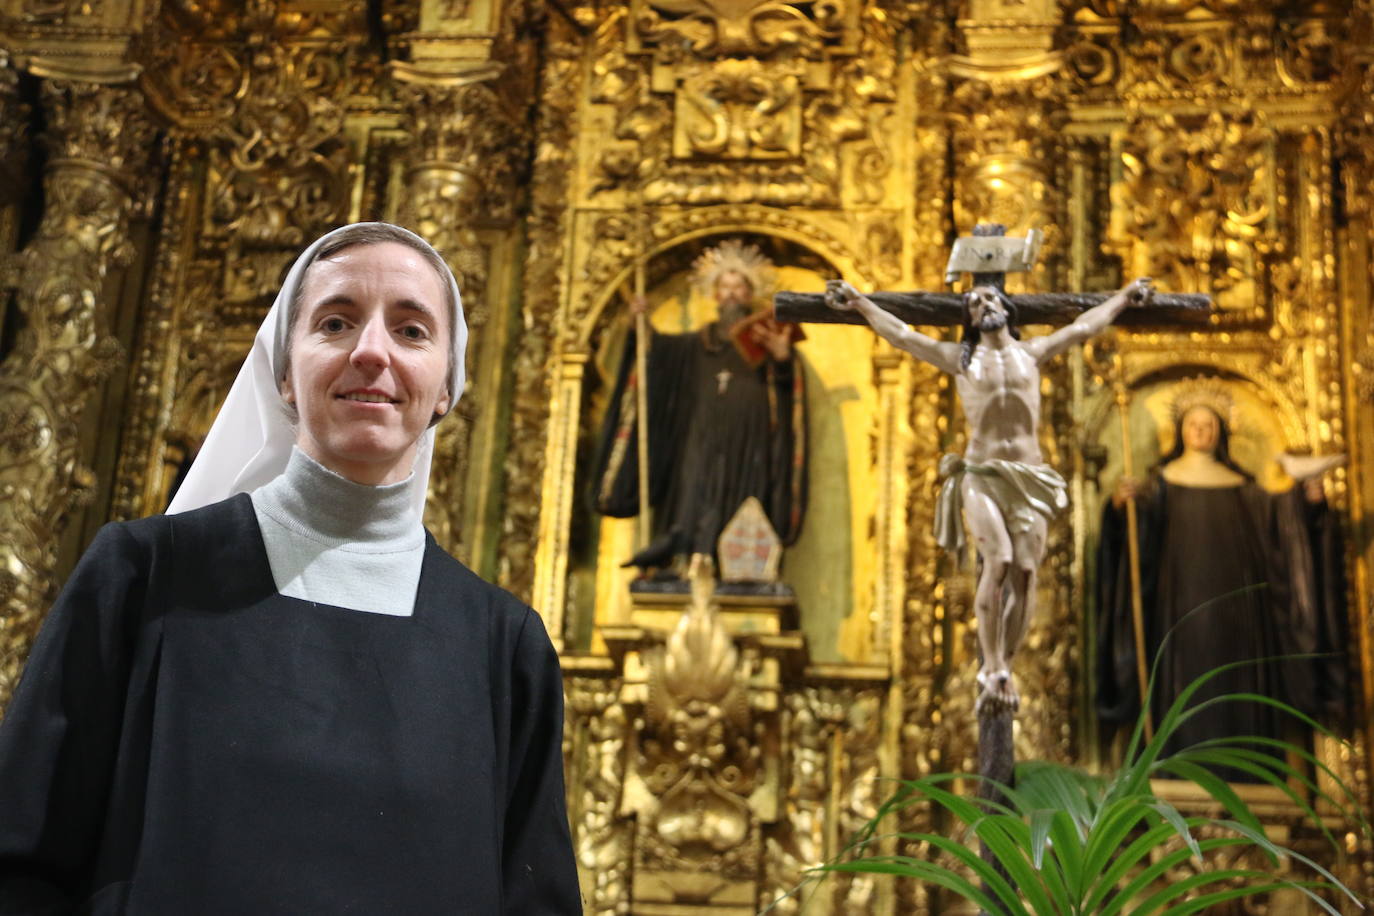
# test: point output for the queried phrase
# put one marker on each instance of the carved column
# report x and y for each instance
(460, 158)
(1355, 147)
(98, 140)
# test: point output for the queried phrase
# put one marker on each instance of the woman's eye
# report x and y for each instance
(413, 332)
(332, 325)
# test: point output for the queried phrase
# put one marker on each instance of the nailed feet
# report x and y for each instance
(998, 692)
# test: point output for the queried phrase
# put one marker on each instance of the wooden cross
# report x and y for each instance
(945, 309)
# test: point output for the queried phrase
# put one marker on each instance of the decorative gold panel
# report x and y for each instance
(1222, 146)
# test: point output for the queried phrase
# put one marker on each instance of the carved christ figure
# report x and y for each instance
(1005, 490)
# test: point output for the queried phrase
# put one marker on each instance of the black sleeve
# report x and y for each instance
(787, 455)
(539, 874)
(61, 731)
(1118, 683)
(1334, 678)
(615, 470)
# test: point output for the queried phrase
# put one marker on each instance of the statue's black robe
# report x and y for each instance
(1199, 546)
(711, 444)
(187, 740)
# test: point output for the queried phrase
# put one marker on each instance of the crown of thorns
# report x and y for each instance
(733, 256)
(1204, 392)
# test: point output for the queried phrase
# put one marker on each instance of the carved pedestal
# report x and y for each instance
(711, 766)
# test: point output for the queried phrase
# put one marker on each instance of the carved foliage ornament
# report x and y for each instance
(738, 27)
(699, 757)
(100, 127)
(724, 115)
(738, 109)
(1195, 206)
(1003, 143)
(277, 174)
(594, 744)
(554, 162)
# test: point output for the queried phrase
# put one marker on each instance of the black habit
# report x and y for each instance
(1266, 571)
(187, 740)
(720, 430)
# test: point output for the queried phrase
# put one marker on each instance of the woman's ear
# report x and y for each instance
(441, 406)
(288, 394)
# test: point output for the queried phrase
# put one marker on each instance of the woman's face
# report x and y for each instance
(1201, 430)
(369, 360)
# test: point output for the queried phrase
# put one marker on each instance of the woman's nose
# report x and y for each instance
(373, 345)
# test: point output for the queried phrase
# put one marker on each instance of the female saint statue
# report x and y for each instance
(1263, 570)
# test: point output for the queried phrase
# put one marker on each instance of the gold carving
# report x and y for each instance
(14, 131)
(81, 40)
(699, 755)
(832, 743)
(1196, 204)
(786, 125)
(448, 125)
(275, 177)
(1004, 110)
(595, 737)
(1219, 145)
(544, 280)
(737, 27)
(738, 109)
(98, 140)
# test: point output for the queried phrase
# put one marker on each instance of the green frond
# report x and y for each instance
(1074, 844)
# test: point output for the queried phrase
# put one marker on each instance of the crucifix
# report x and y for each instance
(1001, 486)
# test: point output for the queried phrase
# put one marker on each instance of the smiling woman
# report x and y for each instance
(285, 697)
(368, 360)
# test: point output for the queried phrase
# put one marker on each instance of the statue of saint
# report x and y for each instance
(727, 419)
(1001, 485)
(1266, 572)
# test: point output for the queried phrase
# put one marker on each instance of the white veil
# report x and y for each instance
(251, 438)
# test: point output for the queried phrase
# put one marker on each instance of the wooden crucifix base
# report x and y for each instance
(996, 762)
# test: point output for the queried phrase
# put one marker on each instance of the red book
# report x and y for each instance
(747, 335)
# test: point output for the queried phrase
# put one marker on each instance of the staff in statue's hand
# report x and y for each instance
(284, 696)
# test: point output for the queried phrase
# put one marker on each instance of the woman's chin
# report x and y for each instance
(367, 462)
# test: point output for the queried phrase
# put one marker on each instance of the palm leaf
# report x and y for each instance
(1073, 843)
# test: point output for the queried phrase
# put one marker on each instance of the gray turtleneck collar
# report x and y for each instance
(333, 541)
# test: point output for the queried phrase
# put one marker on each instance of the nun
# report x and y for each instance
(283, 696)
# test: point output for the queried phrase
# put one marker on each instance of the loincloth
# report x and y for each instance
(1021, 492)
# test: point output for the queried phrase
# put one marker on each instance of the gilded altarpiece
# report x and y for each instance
(1223, 146)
